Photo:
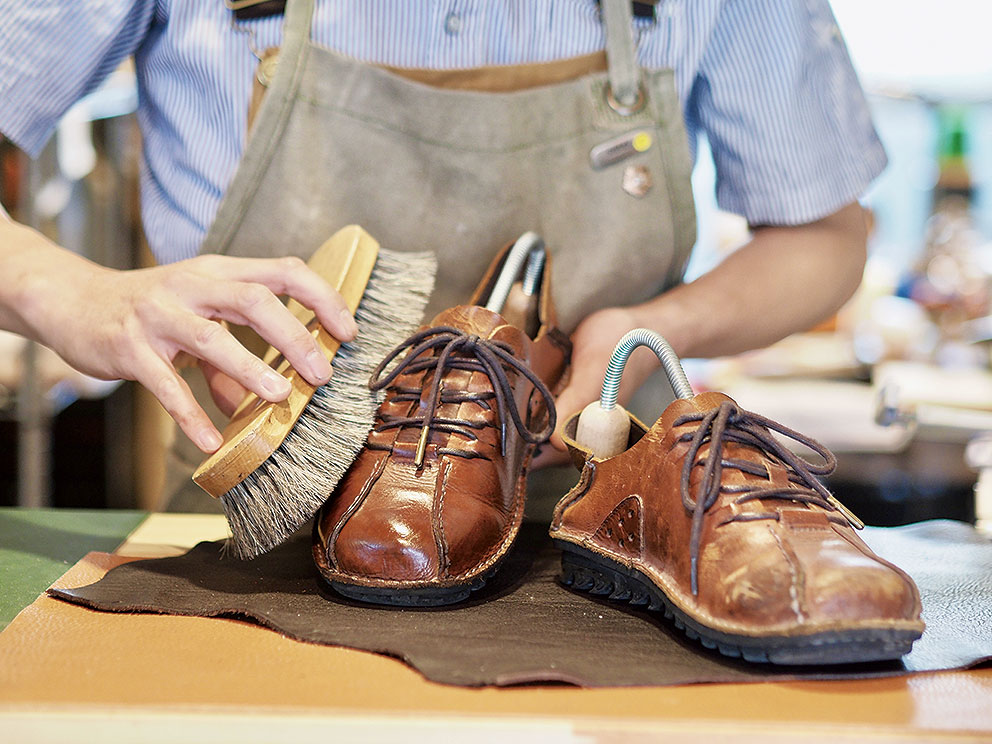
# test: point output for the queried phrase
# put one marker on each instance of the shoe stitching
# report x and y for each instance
(726, 423)
(505, 541)
(795, 584)
(579, 490)
(672, 589)
(370, 481)
(511, 527)
(437, 520)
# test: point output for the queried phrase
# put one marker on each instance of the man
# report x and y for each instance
(770, 84)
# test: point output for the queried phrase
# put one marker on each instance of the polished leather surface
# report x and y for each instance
(392, 523)
(780, 568)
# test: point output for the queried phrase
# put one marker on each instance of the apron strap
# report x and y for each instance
(618, 19)
(621, 55)
(267, 129)
(296, 26)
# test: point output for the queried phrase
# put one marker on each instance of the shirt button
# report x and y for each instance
(453, 23)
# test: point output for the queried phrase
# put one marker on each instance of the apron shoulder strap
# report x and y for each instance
(621, 55)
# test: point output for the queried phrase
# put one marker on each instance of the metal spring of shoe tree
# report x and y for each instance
(529, 247)
(621, 353)
(604, 426)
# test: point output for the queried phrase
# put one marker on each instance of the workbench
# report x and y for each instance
(309, 692)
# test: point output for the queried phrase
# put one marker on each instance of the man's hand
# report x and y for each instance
(785, 279)
(133, 324)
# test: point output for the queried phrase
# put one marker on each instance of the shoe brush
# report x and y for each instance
(281, 461)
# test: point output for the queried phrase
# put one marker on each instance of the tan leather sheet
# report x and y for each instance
(524, 627)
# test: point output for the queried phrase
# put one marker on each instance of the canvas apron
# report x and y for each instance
(422, 163)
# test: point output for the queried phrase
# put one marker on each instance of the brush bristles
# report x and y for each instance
(287, 489)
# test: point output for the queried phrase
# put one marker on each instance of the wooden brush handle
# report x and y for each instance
(258, 427)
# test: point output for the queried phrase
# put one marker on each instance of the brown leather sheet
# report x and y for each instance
(524, 627)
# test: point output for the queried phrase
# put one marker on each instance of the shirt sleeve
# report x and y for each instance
(787, 121)
(54, 52)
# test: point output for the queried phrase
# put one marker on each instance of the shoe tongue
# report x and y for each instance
(697, 404)
(475, 320)
(471, 319)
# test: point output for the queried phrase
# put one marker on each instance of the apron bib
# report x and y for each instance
(462, 171)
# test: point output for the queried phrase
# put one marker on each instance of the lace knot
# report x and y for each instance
(442, 348)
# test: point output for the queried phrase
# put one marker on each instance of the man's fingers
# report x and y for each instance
(174, 394)
(583, 388)
(291, 276)
(213, 343)
(226, 392)
(253, 304)
(565, 405)
(549, 457)
(570, 400)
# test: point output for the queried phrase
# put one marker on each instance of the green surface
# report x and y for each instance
(38, 545)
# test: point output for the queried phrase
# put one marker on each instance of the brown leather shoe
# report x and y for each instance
(709, 518)
(436, 498)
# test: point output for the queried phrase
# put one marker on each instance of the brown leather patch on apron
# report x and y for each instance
(506, 78)
(490, 79)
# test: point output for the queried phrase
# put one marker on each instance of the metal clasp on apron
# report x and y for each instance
(626, 109)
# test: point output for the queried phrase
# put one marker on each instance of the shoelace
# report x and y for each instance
(459, 350)
(728, 423)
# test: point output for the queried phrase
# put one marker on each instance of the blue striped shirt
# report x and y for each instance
(769, 81)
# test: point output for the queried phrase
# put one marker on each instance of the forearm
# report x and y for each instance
(10, 288)
(29, 261)
(786, 279)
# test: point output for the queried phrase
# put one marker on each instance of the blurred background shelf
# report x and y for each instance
(66, 439)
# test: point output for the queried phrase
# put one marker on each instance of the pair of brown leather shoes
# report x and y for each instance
(703, 515)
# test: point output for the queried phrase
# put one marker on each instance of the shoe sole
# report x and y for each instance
(418, 597)
(594, 574)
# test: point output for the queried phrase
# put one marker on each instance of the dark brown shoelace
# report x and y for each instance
(728, 423)
(443, 348)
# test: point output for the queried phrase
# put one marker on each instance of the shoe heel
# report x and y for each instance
(582, 574)
(577, 574)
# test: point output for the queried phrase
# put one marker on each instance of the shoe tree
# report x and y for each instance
(604, 425)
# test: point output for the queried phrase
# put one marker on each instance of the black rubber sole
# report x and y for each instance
(419, 597)
(589, 572)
